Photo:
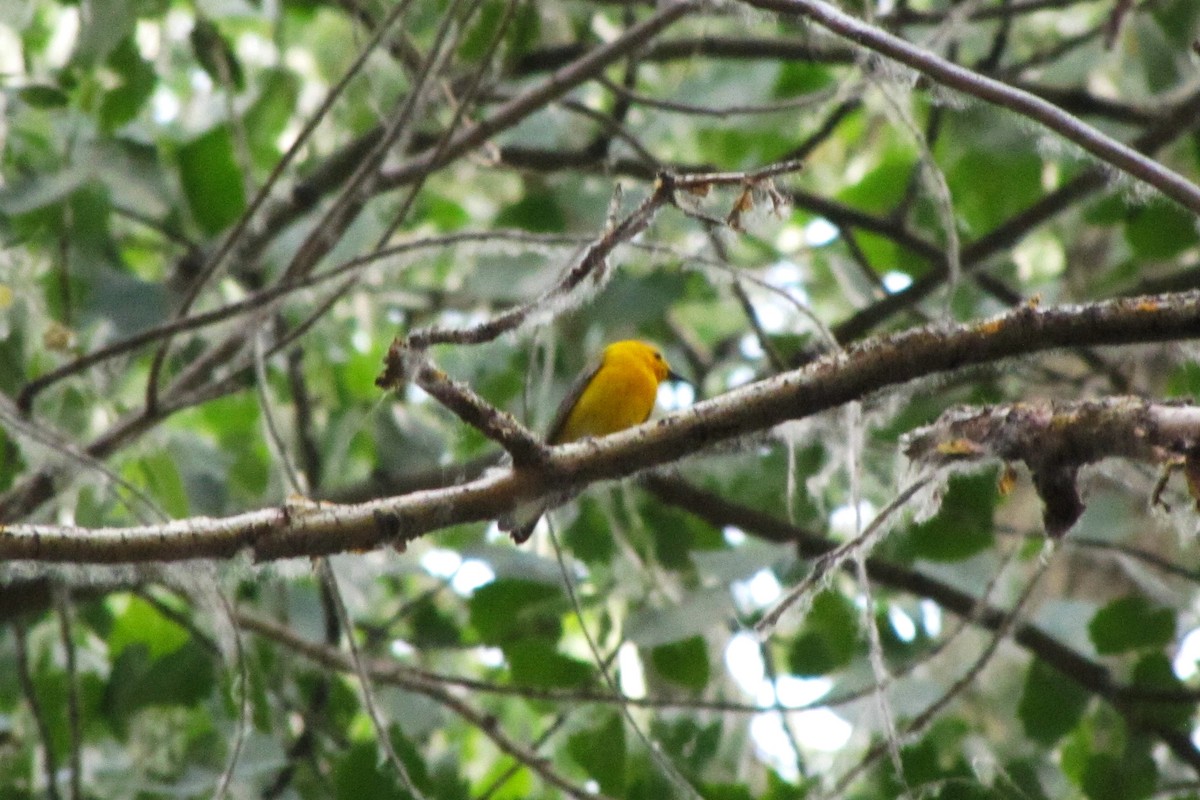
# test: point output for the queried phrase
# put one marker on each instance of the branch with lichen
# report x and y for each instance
(407, 358)
(404, 363)
(826, 383)
(1055, 438)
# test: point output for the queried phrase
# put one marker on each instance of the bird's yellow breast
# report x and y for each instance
(620, 394)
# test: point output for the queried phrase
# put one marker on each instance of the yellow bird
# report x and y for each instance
(616, 392)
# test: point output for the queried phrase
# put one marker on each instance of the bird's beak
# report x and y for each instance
(672, 375)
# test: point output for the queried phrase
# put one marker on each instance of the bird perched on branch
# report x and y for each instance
(617, 391)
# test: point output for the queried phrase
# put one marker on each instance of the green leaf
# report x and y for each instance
(535, 662)
(269, 115)
(1154, 672)
(684, 662)
(760, 481)
(237, 467)
(653, 625)
(1019, 173)
(41, 191)
(800, 78)
(112, 22)
(1051, 703)
(1107, 211)
(647, 782)
(11, 462)
(1131, 623)
(523, 30)
(86, 221)
(937, 756)
(537, 211)
(829, 638)
(126, 302)
(726, 791)
(962, 526)
(211, 180)
(676, 533)
(446, 213)
(600, 750)
(161, 476)
(637, 301)
(408, 753)
(1160, 230)
(182, 678)
(216, 55)
(881, 188)
(133, 175)
(342, 703)
(51, 685)
(1021, 781)
(589, 536)
(448, 780)
(142, 623)
(359, 774)
(432, 628)
(1185, 381)
(1177, 19)
(43, 95)
(741, 147)
(1160, 61)
(138, 81)
(690, 743)
(1106, 777)
(896, 647)
(507, 609)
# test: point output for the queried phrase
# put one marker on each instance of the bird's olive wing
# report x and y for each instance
(572, 397)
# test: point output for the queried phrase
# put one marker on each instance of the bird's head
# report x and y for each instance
(642, 353)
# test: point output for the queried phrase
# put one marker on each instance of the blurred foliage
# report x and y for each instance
(136, 136)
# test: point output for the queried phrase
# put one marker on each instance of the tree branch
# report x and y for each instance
(1055, 439)
(1088, 674)
(413, 681)
(946, 73)
(829, 382)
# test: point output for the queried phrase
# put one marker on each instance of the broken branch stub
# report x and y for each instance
(1055, 438)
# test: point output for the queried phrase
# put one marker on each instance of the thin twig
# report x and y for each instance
(1099, 144)
(242, 691)
(499, 426)
(824, 567)
(484, 723)
(326, 575)
(63, 610)
(652, 747)
(243, 223)
(1090, 675)
(49, 759)
(969, 676)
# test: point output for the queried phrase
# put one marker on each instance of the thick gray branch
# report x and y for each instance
(947, 73)
(823, 384)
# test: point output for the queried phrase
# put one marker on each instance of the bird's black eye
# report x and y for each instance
(658, 356)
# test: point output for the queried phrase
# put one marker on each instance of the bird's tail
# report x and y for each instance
(519, 524)
(522, 532)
